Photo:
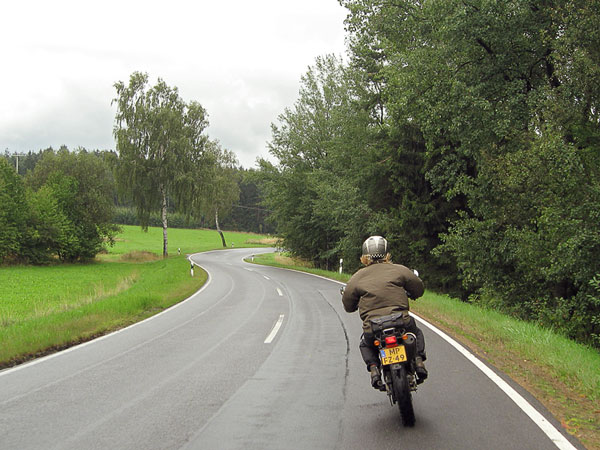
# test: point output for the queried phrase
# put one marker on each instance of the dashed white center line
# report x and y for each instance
(279, 292)
(275, 329)
(266, 277)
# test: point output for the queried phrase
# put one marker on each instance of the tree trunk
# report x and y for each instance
(218, 228)
(164, 221)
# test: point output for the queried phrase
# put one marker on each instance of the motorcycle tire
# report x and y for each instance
(403, 396)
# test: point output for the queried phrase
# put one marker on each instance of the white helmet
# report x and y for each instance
(375, 247)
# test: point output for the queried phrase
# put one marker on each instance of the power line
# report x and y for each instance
(251, 207)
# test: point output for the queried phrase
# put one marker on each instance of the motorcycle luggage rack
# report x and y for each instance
(380, 324)
(388, 332)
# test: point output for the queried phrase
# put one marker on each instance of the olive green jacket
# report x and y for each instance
(380, 289)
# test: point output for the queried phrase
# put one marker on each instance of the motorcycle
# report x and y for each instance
(397, 351)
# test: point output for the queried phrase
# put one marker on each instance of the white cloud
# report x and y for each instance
(241, 60)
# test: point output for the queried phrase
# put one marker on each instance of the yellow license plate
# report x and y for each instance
(392, 355)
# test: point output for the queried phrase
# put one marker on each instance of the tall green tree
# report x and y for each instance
(160, 142)
(347, 170)
(14, 214)
(50, 231)
(317, 192)
(82, 186)
(215, 198)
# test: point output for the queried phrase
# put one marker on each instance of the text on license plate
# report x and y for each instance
(392, 355)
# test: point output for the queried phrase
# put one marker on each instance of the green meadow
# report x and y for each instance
(133, 239)
(46, 308)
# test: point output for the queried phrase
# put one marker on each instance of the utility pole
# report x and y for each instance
(17, 156)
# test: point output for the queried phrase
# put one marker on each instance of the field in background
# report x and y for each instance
(133, 239)
(43, 309)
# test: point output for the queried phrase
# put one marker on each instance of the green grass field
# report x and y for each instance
(47, 308)
(132, 239)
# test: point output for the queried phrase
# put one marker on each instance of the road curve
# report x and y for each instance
(259, 358)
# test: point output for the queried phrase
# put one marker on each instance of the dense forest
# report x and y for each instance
(465, 132)
(468, 134)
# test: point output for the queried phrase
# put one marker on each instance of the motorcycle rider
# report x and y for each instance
(379, 289)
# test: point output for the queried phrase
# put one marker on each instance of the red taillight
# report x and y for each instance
(391, 341)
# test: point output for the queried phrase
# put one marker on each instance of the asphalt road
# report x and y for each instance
(260, 358)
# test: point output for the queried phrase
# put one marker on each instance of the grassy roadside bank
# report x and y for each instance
(561, 374)
(70, 312)
(44, 309)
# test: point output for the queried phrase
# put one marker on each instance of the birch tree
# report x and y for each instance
(160, 142)
(221, 191)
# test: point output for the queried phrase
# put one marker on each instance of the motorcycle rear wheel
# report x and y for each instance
(403, 396)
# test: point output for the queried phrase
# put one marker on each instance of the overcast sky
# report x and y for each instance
(241, 59)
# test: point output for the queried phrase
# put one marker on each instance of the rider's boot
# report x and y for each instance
(420, 369)
(375, 377)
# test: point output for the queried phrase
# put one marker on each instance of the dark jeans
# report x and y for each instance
(370, 353)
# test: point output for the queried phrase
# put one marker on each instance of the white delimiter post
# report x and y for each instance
(341, 261)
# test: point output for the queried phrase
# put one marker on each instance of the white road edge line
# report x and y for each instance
(275, 329)
(106, 336)
(550, 430)
(555, 436)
